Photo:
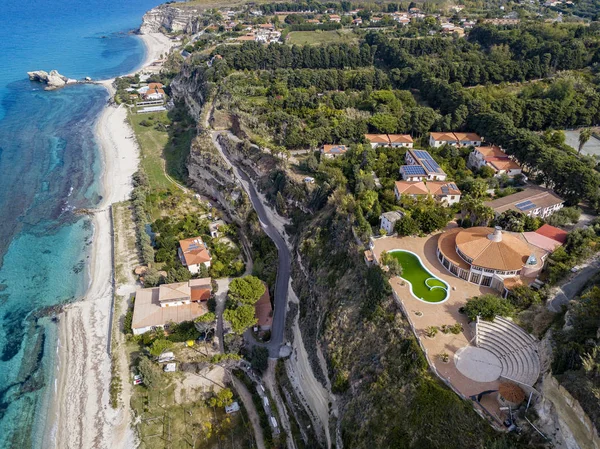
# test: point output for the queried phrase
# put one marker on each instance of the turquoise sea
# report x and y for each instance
(49, 168)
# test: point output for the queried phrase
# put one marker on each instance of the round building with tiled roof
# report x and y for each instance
(487, 256)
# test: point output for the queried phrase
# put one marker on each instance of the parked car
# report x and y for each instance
(137, 380)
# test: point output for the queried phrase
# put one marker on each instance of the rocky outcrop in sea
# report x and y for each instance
(53, 80)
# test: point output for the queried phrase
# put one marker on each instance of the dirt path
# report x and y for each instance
(246, 398)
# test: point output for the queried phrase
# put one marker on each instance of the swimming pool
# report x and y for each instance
(423, 284)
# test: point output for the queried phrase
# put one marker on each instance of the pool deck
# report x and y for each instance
(437, 314)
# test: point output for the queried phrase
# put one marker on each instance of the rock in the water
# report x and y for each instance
(53, 80)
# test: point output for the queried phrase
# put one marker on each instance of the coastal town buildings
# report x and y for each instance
(156, 307)
(533, 201)
(193, 253)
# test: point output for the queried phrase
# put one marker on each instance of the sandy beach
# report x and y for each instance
(80, 415)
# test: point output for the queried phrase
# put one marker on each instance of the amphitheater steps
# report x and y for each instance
(515, 348)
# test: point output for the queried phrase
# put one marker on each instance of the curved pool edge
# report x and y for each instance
(432, 275)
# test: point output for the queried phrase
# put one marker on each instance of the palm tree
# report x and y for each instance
(584, 136)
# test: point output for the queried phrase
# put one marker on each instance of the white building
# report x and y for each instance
(532, 201)
(421, 166)
(494, 158)
(193, 253)
(388, 220)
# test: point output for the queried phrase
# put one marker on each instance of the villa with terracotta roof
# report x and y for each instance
(446, 193)
(494, 158)
(389, 140)
(421, 166)
(170, 303)
(533, 201)
(492, 257)
(436, 140)
(333, 151)
(193, 253)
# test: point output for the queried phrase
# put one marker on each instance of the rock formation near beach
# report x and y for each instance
(170, 18)
(53, 80)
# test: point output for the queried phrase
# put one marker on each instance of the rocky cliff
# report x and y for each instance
(53, 80)
(170, 18)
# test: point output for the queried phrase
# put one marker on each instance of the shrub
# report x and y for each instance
(431, 331)
(523, 297)
(259, 358)
(487, 307)
(455, 328)
(159, 346)
(183, 332)
(150, 372)
(444, 357)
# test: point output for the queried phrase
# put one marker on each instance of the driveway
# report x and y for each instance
(573, 287)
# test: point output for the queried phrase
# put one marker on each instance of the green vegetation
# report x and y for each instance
(576, 361)
(246, 290)
(321, 37)
(424, 285)
(487, 307)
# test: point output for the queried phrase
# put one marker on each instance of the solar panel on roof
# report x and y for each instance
(413, 170)
(423, 155)
(453, 186)
(525, 205)
(445, 190)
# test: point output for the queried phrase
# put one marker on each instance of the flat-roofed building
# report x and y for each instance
(388, 220)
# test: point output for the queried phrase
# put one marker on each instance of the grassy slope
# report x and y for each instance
(321, 37)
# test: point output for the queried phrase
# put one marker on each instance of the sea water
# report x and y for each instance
(49, 170)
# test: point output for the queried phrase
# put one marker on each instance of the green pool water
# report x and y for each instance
(424, 285)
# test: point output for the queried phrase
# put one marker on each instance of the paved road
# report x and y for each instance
(283, 268)
(572, 288)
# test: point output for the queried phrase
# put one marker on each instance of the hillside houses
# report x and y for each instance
(446, 193)
(389, 140)
(436, 140)
(494, 158)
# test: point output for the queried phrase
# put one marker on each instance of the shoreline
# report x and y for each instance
(79, 414)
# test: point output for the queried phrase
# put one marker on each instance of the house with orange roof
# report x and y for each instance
(491, 257)
(333, 151)
(193, 253)
(157, 307)
(446, 193)
(496, 159)
(335, 18)
(400, 140)
(436, 140)
(378, 140)
(263, 311)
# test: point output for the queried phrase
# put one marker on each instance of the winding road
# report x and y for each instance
(284, 263)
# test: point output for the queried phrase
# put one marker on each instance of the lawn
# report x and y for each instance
(420, 279)
(321, 37)
(165, 145)
(152, 146)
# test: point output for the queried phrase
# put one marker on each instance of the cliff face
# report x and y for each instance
(170, 18)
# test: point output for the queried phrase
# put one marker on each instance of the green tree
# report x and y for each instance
(259, 358)
(394, 267)
(584, 136)
(406, 226)
(384, 123)
(246, 290)
(241, 318)
(150, 372)
(487, 307)
(222, 399)
(159, 346)
(523, 296)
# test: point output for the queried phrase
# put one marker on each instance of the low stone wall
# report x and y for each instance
(572, 418)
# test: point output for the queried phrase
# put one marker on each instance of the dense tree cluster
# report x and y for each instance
(255, 56)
